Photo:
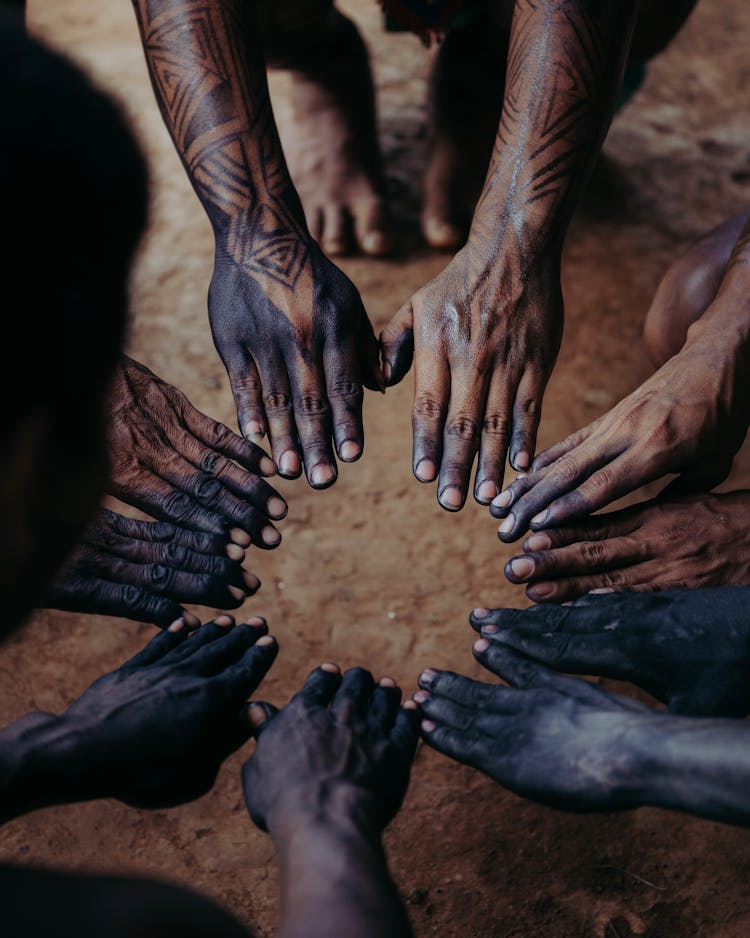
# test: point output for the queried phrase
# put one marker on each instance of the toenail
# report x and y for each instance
(321, 475)
(240, 537)
(538, 542)
(276, 507)
(235, 552)
(425, 470)
(349, 450)
(251, 581)
(522, 567)
(486, 491)
(502, 500)
(236, 593)
(224, 620)
(481, 645)
(270, 536)
(330, 667)
(428, 726)
(451, 497)
(540, 518)
(289, 463)
(267, 466)
(191, 621)
(480, 612)
(421, 696)
(177, 626)
(375, 242)
(490, 629)
(265, 640)
(427, 676)
(507, 526)
(542, 590)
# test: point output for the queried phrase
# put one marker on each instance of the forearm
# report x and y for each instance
(700, 766)
(565, 65)
(335, 880)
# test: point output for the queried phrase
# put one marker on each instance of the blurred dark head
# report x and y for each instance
(73, 190)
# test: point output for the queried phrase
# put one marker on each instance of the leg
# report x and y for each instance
(40, 903)
(330, 136)
(688, 288)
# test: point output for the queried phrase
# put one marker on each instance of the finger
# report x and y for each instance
(397, 343)
(226, 649)
(527, 412)
(449, 712)
(159, 646)
(563, 590)
(352, 699)
(320, 686)
(384, 706)
(405, 733)
(247, 391)
(598, 528)
(700, 478)
(520, 672)
(431, 395)
(585, 557)
(203, 636)
(493, 445)
(472, 695)
(312, 416)
(218, 437)
(242, 678)
(461, 436)
(257, 715)
(344, 390)
(116, 533)
(78, 592)
(369, 355)
(553, 453)
(277, 400)
(468, 748)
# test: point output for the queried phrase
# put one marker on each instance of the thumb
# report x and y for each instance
(397, 344)
(256, 716)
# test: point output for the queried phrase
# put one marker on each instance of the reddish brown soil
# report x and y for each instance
(372, 572)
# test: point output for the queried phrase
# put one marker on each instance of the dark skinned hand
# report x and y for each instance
(180, 466)
(144, 570)
(155, 732)
(483, 344)
(554, 739)
(297, 356)
(338, 737)
(688, 648)
(689, 418)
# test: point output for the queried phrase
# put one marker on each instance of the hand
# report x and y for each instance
(143, 570)
(298, 346)
(554, 739)
(688, 648)
(339, 740)
(484, 344)
(694, 541)
(690, 418)
(176, 464)
(155, 732)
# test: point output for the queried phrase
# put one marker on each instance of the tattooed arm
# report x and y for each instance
(690, 418)
(485, 333)
(288, 325)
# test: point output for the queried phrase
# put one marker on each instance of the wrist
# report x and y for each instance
(725, 325)
(334, 806)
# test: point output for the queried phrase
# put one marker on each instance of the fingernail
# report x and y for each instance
(480, 612)
(267, 466)
(191, 621)
(224, 619)
(253, 429)
(235, 552)
(270, 536)
(251, 581)
(428, 726)
(486, 491)
(289, 463)
(264, 641)
(240, 537)
(427, 676)
(256, 715)
(256, 621)
(600, 590)
(522, 567)
(425, 470)
(420, 696)
(542, 590)
(538, 542)
(177, 626)
(521, 460)
(409, 705)
(507, 526)
(321, 475)
(276, 507)
(330, 667)
(490, 629)
(236, 593)
(451, 497)
(540, 518)
(481, 645)
(502, 500)
(386, 682)
(387, 370)
(349, 450)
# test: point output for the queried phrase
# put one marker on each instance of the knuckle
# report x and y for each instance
(427, 408)
(463, 427)
(345, 387)
(176, 554)
(565, 470)
(277, 402)
(161, 576)
(593, 553)
(179, 506)
(208, 489)
(496, 425)
(212, 463)
(311, 405)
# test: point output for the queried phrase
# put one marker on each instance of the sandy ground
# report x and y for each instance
(372, 572)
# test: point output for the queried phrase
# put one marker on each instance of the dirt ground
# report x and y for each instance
(372, 572)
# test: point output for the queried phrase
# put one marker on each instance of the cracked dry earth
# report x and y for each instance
(372, 572)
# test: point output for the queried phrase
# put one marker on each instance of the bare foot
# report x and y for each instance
(691, 542)
(466, 99)
(329, 134)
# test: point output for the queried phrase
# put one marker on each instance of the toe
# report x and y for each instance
(335, 239)
(371, 227)
(442, 234)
